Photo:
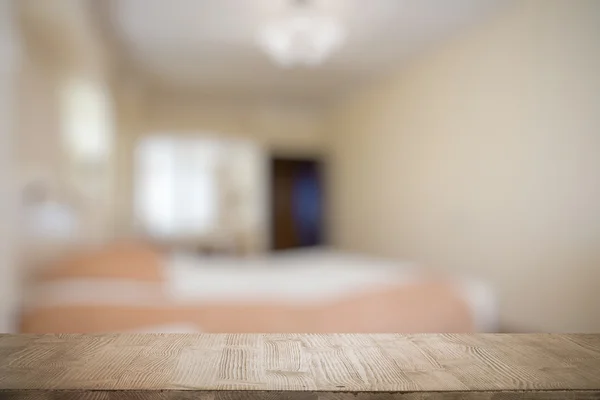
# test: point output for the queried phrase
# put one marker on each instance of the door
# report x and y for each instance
(297, 203)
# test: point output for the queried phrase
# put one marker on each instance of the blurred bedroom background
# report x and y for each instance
(300, 166)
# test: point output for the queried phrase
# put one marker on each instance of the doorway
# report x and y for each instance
(297, 201)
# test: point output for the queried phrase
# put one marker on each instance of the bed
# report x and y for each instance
(136, 289)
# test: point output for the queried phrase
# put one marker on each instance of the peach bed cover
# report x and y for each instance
(308, 291)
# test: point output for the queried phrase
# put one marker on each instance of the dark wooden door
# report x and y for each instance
(297, 203)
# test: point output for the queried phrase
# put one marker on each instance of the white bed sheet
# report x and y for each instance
(304, 276)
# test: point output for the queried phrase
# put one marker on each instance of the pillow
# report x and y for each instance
(124, 260)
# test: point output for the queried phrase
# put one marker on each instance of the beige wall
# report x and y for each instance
(40, 150)
(483, 156)
(10, 48)
(282, 126)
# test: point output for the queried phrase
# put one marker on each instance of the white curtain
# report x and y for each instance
(177, 193)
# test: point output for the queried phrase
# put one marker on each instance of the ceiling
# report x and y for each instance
(209, 45)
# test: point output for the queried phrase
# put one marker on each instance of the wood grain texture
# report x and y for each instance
(299, 367)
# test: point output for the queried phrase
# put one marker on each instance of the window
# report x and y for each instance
(176, 192)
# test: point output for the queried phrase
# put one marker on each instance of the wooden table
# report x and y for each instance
(299, 367)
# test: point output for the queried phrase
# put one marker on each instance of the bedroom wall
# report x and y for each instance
(40, 150)
(481, 156)
(284, 126)
(10, 48)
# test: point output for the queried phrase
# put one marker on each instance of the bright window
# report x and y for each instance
(176, 186)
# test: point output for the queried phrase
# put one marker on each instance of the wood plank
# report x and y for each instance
(299, 367)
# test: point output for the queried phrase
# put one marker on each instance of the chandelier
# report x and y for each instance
(303, 37)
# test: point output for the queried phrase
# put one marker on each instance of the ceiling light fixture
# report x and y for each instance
(303, 37)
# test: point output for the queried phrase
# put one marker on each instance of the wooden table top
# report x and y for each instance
(299, 367)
